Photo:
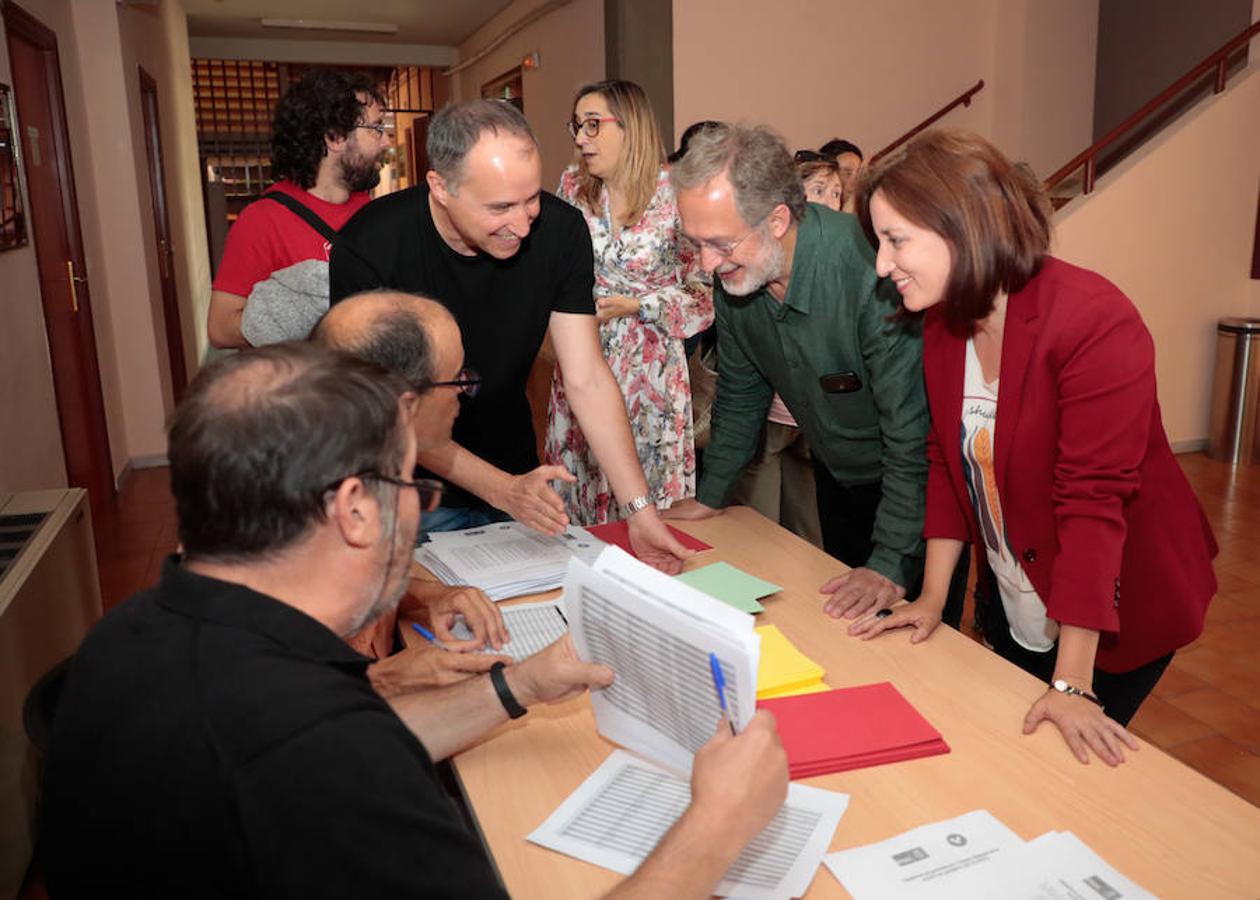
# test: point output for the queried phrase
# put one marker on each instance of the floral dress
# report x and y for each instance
(645, 353)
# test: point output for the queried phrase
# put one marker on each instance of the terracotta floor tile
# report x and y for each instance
(1238, 677)
(1236, 720)
(1165, 726)
(1175, 681)
(1224, 762)
(1238, 638)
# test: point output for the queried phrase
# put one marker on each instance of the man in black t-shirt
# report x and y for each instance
(218, 737)
(512, 263)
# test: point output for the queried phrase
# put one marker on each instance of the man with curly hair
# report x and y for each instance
(328, 141)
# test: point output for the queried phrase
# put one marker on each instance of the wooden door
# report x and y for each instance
(63, 284)
(162, 233)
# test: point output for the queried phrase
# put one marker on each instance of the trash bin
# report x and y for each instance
(1234, 431)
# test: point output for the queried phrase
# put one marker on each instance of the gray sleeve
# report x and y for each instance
(286, 306)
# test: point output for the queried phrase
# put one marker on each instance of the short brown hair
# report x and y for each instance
(995, 218)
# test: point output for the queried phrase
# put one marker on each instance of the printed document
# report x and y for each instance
(657, 634)
(622, 811)
(531, 626)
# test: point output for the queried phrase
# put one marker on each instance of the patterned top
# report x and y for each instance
(645, 352)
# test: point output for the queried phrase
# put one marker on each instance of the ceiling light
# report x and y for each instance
(327, 25)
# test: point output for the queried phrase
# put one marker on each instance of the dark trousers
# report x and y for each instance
(847, 517)
(1121, 693)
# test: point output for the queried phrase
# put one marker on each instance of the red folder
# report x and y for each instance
(619, 533)
(851, 728)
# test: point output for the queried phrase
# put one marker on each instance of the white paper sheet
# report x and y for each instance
(656, 634)
(531, 626)
(621, 812)
(942, 860)
(1059, 866)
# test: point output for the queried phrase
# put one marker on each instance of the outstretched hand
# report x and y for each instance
(1084, 726)
(531, 500)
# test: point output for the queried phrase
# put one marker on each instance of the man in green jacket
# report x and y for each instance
(801, 312)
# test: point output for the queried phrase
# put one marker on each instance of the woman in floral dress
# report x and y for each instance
(649, 295)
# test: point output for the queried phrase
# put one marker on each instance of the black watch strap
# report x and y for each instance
(514, 709)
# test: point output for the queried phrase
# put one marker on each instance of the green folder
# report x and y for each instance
(732, 586)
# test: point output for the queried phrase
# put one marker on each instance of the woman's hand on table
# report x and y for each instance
(1084, 726)
(531, 500)
(859, 591)
(922, 616)
(690, 510)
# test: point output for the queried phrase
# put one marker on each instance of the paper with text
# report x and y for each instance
(656, 634)
(531, 626)
(621, 812)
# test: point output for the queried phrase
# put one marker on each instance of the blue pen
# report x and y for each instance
(719, 685)
(428, 635)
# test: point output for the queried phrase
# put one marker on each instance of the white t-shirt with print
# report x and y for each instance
(1025, 611)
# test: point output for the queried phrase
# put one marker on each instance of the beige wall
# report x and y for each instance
(815, 70)
(1173, 226)
(30, 437)
(871, 71)
(1043, 80)
(570, 42)
(122, 260)
(183, 182)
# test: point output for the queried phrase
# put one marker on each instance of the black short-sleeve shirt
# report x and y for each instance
(502, 306)
(214, 742)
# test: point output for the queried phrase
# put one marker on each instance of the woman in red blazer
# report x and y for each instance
(1047, 451)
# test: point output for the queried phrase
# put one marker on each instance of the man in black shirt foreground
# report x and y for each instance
(512, 263)
(218, 737)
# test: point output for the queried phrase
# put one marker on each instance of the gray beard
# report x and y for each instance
(765, 269)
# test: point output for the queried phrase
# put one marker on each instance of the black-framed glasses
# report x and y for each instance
(588, 127)
(468, 382)
(427, 490)
(378, 127)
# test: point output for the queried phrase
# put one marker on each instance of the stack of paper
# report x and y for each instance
(851, 728)
(622, 811)
(976, 857)
(732, 586)
(785, 671)
(505, 559)
(657, 636)
(531, 627)
(661, 638)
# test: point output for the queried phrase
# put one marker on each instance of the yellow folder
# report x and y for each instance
(784, 670)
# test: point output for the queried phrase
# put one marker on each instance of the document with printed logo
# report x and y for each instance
(941, 860)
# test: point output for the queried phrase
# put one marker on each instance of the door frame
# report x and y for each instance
(94, 469)
(162, 231)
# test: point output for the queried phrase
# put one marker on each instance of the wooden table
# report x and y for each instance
(1157, 821)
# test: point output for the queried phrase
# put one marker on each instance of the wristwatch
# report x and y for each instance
(1064, 688)
(506, 697)
(638, 504)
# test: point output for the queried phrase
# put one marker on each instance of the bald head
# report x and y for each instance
(403, 333)
(412, 336)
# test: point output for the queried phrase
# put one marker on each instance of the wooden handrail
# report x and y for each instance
(963, 99)
(1218, 59)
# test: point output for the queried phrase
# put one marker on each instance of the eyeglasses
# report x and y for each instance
(378, 127)
(722, 249)
(468, 382)
(588, 127)
(427, 490)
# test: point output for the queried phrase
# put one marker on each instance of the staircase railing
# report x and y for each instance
(1219, 60)
(963, 99)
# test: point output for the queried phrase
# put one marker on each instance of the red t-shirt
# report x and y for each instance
(267, 237)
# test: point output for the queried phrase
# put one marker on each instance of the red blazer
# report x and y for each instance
(1095, 506)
